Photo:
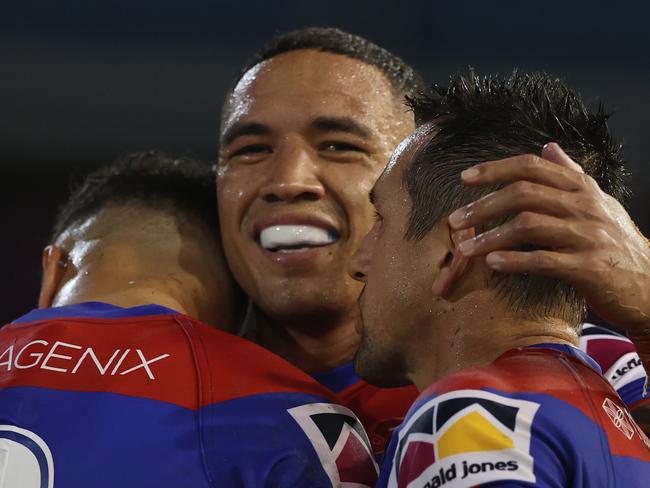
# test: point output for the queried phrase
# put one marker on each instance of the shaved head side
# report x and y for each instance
(145, 179)
(145, 224)
(145, 229)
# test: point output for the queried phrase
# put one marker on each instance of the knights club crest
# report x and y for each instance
(340, 442)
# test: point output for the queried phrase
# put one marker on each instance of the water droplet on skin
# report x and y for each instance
(131, 282)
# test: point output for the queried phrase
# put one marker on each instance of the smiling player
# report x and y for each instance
(306, 130)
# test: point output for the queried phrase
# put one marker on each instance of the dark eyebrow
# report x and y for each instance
(244, 129)
(341, 124)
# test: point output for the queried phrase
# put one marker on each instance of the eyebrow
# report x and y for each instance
(245, 129)
(341, 124)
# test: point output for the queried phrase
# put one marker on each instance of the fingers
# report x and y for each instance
(527, 167)
(554, 153)
(527, 229)
(543, 263)
(512, 199)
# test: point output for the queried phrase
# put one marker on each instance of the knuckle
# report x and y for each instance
(603, 239)
(521, 188)
(588, 182)
(525, 221)
(594, 211)
(595, 264)
(531, 161)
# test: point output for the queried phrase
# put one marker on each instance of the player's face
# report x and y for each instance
(396, 303)
(306, 134)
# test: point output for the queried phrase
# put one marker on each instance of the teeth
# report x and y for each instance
(293, 236)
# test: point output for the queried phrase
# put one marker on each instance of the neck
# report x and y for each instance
(478, 335)
(127, 299)
(127, 290)
(311, 347)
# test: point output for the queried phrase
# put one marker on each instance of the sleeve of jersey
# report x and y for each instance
(619, 361)
(489, 438)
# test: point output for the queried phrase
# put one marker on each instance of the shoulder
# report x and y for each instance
(245, 368)
(522, 419)
(619, 361)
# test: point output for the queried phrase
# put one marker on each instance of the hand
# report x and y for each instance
(588, 238)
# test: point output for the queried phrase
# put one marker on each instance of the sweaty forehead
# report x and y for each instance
(404, 154)
(307, 84)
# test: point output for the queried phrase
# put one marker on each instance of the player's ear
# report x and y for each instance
(54, 262)
(454, 263)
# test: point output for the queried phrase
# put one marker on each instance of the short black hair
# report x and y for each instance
(150, 178)
(403, 78)
(478, 119)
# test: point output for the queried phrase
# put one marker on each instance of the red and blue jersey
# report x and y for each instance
(380, 410)
(96, 395)
(537, 416)
(619, 361)
(383, 409)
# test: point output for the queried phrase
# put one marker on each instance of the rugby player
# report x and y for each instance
(117, 381)
(507, 397)
(306, 129)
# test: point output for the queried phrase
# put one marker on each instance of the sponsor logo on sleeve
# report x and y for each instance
(623, 421)
(465, 438)
(25, 459)
(66, 358)
(619, 417)
(625, 370)
(340, 442)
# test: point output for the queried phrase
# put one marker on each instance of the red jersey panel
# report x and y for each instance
(96, 395)
(537, 416)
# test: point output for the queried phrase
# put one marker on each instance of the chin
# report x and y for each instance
(303, 297)
(298, 308)
(380, 370)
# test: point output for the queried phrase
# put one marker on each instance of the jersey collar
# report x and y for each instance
(571, 351)
(93, 310)
(339, 378)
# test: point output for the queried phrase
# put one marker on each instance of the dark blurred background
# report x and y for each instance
(81, 82)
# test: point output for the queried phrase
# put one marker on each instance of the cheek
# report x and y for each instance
(354, 188)
(236, 188)
(395, 274)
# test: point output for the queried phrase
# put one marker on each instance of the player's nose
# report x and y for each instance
(294, 175)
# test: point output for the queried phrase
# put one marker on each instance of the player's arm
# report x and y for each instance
(621, 366)
(589, 240)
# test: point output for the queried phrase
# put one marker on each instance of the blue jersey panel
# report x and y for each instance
(88, 451)
(270, 440)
